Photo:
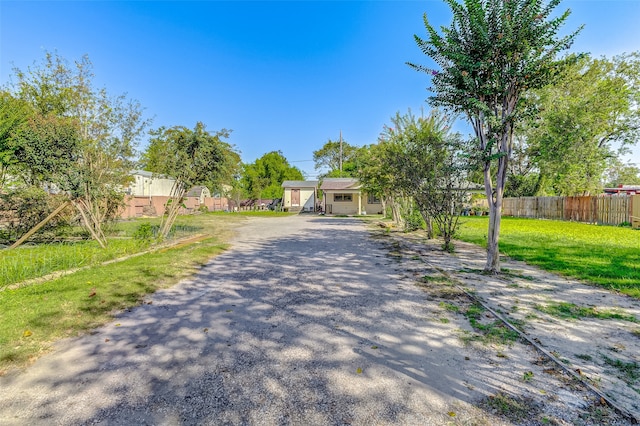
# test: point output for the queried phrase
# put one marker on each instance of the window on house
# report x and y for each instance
(372, 199)
(342, 197)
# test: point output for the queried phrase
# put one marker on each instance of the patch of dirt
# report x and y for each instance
(604, 352)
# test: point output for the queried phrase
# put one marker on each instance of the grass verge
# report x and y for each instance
(572, 311)
(29, 262)
(607, 256)
(491, 331)
(34, 261)
(33, 317)
(629, 372)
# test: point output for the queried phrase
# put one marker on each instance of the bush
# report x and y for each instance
(413, 220)
(145, 232)
(23, 208)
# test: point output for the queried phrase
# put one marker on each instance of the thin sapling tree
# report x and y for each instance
(490, 55)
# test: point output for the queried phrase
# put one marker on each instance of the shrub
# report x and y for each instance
(23, 208)
(145, 232)
(413, 219)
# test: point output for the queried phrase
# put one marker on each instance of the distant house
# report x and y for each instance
(299, 195)
(199, 192)
(344, 196)
(148, 194)
(146, 185)
(623, 189)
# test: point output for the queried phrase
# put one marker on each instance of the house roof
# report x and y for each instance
(197, 191)
(300, 184)
(623, 189)
(147, 174)
(141, 173)
(340, 183)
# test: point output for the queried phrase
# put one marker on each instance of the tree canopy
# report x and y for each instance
(490, 55)
(191, 157)
(263, 178)
(70, 134)
(419, 163)
(13, 113)
(585, 121)
(339, 162)
(619, 173)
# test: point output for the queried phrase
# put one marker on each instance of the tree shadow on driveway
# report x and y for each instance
(303, 321)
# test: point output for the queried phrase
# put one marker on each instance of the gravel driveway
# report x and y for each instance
(305, 320)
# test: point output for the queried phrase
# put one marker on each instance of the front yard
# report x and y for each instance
(607, 256)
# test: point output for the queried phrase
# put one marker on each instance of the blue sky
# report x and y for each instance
(282, 75)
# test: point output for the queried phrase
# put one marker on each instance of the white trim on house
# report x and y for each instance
(334, 191)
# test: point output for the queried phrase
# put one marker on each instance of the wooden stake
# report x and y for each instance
(40, 225)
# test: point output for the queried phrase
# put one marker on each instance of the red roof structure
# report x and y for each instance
(623, 189)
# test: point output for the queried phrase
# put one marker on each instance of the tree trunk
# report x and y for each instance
(176, 198)
(427, 220)
(95, 219)
(493, 255)
(88, 224)
(494, 196)
(395, 211)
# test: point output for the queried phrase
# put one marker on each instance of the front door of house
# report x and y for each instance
(295, 197)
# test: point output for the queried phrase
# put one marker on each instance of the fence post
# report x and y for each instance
(635, 211)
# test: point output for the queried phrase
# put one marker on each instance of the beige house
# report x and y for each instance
(299, 195)
(344, 196)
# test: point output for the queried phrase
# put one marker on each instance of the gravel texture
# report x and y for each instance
(305, 321)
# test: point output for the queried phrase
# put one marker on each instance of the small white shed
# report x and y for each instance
(299, 195)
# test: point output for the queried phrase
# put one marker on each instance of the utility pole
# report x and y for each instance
(340, 152)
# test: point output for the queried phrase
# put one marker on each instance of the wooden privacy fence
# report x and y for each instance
(155, 205)
(601, 209)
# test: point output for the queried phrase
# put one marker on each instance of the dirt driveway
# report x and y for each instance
(306, 321)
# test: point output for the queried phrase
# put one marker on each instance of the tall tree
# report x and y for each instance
(493, 52)
(378, 177)
(263, 178)
(13, 113)
(523, 174)
(191, 157)
(46, 149)
(586, 119)
(419, 159)
(619, 173)
(339, 158)
(108, 128)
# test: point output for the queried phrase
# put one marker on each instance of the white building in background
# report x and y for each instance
(299, 195)
(145, 185)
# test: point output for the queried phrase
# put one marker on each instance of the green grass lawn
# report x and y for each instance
(603, 255)
(27, 262)
(34, 316)
(33, 261)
